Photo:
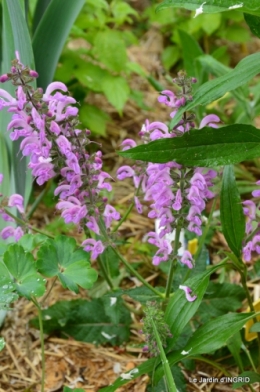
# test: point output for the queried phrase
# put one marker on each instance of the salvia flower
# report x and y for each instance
(187, 290)
(177, 194)
(46, 122)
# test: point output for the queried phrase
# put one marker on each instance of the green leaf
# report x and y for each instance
(21, 266)
(30, 241)
(97, 321)
(251, 376)
(67, 389)
(109, 48)
(206, 147)
(220, 299)
(212, 6)
(2, 343)
(214, 89)
(116, 90)
(58, 257)
(190, 50)
(179, 311)
(215, 333)
(6, 288)
(141, 294)
(231, 212)
(255, 327)
(253, 22)
(15, 38)
(170, 56)
(234, 345)
(50, 36)
(94, 119)
(90, 75)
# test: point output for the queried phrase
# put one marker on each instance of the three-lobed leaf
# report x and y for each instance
(21, 266)
(231, 212)
(59, 257)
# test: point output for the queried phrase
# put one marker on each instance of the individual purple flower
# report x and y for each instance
(16, 201)
(256, 193)
(95, 247)
(187, 259)
(110, 214)
(10, 231)
(249, 210)
(1, 178)
(187, 291)
(210, 121)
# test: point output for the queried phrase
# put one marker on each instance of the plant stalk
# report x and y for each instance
(42, 341)
(172, 267)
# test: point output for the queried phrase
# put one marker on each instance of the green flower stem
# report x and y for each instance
(124, 217)
(173, 263)
(48, 293)
(34, 300)
(105, 274)
(165, 363)
(23, 223)
(205, 230)
(249, 357)
(136, 274)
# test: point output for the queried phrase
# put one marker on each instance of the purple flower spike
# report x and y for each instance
(187, 291)
(16, 201)
(187, 259)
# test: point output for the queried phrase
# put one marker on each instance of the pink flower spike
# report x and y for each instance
(187, 291)
(187, 259)
(16, 201)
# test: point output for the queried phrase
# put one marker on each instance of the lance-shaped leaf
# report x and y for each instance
(179, 311)
(21, 266)
(212, 6)
(59, 257)
(214, 89)
(231, 212)
(50, 36)
(99, 320)
(205, 147)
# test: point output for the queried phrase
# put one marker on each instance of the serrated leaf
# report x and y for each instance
(205, 147)
(89, 321)
(21, 266)
(109, 48)
(212, 6)
(253, 22)
(90, 75)
(6, 288)
(214, 89)
(59, 258)
(116, 90)
(93, 118)
(50, 36)
(231, 212)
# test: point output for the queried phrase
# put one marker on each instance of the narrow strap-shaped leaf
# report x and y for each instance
(231, 212)
(40, 8)
(207, 147)
(212, 6)
(15, 37)
(50, 36)
(190, 51)
(245, 70)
